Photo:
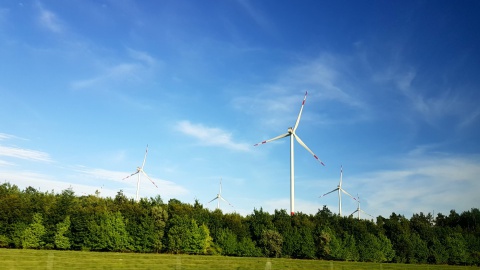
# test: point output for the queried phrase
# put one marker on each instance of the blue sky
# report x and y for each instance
(393, 97)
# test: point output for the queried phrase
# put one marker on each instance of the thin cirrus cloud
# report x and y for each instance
(210, 136)
(49, 20)
(423, 183)
(115, 73)
(26, 154)
(134, 68)
(323, 78)
(444, 103)
(4, 136)
(327, 76)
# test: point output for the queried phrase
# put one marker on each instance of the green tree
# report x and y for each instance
(178, 233)
(185, 236)
(299, 243)
(258, 222)
(292, 242)
(108, 233)
(328, 245)
(205, 240)
(62, 241)
(370, 249)
(271, 242)
(282, 221)
(13, 211)
(307, 250)
(33, 234)
(349, 248)
(247, 248)
(456, 248)
(397, 229)
(419, 251)
(160, 218)
(227, 242)
(237, 224)
(438, 253)
(4, 241)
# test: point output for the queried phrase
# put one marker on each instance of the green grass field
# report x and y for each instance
(50, 259)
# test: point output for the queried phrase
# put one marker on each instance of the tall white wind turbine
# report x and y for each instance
(340, 190)
(140, 170)
(359, 210)
(292, 133)
(219, 197)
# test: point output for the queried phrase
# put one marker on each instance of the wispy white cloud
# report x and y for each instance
(258, 17)
(4, 136)
(141, 56)
(49, 20)
(116, 73)
(274, 106)
(422, 183)
(211, 136)
(102, 173)
(43, 183)
(5, 163)
(327, 83)
(469, 118)
(327, 76)
(27, 178)
(134, 68)
(433, 103)
(26, 154)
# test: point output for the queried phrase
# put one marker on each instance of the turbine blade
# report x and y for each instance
(300, 113)
(306, 147)
(329, 192)
(273, 139)
(130, 175)
(220, 186)
(366, 213)
(145, 158)
(213, 199)
(343, 190)
(226, 201)
(341, 175)
(149, 179)
(354, 212)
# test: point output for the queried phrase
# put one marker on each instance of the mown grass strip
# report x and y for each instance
(53, 259)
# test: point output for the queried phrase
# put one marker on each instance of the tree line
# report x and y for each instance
(47, 220)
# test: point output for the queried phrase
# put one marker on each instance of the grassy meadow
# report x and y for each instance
(51, 259)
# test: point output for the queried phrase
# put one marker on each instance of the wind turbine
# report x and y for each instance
(219, 197)
(359, 210)
(340, 190)
(140, 170)
(292, 133)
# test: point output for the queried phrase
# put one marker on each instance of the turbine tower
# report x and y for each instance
(140, 170)
(219, 197)
(359, 210)
(340, 190)
(292, 133)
